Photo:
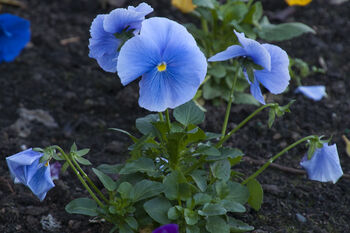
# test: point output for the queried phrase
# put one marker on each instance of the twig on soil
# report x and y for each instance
(8, 184)
(282, 168)
(13, 3)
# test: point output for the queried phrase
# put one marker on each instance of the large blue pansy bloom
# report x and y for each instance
(104, 31)
(324, 165)
(26, 169)
(14, 35)
(169, 228)
(167, 57)
(275, 75)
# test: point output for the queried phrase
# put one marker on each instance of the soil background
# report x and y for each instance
(59, 79)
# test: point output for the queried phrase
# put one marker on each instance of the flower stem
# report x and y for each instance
(89, 181)
(167, 117)
(80, 177)
(229, 103)
(161, 118)
(225, 138)
(263, 167)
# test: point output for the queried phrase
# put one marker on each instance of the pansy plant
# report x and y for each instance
(179, 178)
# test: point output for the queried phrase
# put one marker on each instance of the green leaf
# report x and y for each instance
(82, 152)
(194, 135)
(134, 139)
(212, 210)
(173, 213)
(157, 208)
(256, 194)
(238, 226)
(64, 167)
(281, 32)
(254, 14)
(233, 11)
(225, 152)
(208, 150)
(192, 229)
(125, 189)
(272, 116)
(73, 148)
(145, 126)
(110, 169)
(146, 189)
(107, 181)
(83, 206)
(143, 165)
(82, 160)
(191, 217)
(245, 98)
(216, 224)
(175, 146)
(131, 221)
(200, 178)
(221, 169)
(204, 3)
(232, 191)
(177, 187)
(124, 228)
(217, 71)
(232, 206)
(189, 113)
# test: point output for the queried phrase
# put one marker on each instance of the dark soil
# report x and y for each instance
(84, 102)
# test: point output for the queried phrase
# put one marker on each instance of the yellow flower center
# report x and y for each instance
(161, 67)
(47, 163)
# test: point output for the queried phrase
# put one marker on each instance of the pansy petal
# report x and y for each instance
(108, 62)
(169, 228)
(119, 19)
(256, 91)
(101, 42)
(255, 51)
(324, 166)
(41, 182)
(313, 92)
(276, 80)
(137, 57)
(162, 90)
(14, 35)
(231, 52)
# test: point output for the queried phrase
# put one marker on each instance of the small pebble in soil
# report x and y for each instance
(300, 218)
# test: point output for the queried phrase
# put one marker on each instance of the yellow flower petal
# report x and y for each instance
(347, 142)
(186, 6)
(298, 2)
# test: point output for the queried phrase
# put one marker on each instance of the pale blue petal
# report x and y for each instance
(324, 166)
(14, 35)
(256, 91)
(231, 52)
(137, 57)
(276, 80)
(41, 182)
(101, 42)
(119, 19)
(255, 51)
(169, 228)
(313, 92)
(108, 62)
(18, 164)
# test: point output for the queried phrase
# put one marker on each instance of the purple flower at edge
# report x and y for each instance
(55, 169)
(324, 166)
(313, 92)
(169, 228)
(103, 43)
(167, 57)
(26, 169)
(14, 35)
(275, 75)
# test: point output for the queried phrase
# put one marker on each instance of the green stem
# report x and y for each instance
(90, 181)
(79, 176)
(263, 167)
(229, 104)
(161, 118)
(167, 117)
(249, 3)
(225, 138)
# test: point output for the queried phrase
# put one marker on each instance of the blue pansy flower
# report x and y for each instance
(324, 165)
(275, 75)
(26, 169)
(14, 35)
(167, 57)
(169, 228)
(106, 29)
(313, 92)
